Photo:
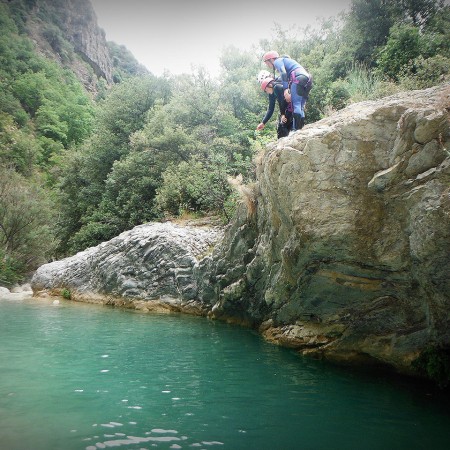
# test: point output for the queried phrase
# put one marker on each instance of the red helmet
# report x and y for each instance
(265, 82)
(270, 55)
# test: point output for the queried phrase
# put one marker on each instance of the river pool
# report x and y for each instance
(79, 376)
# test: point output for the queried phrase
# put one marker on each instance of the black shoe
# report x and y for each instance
(299, 121)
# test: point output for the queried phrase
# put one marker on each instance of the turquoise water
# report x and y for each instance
(77, 376)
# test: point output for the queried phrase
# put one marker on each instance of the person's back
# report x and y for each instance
(286, 66)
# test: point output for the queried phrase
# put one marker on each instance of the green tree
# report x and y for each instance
(402, 47)
(127, 200)
(83, 181)
(125, 109)
(30, 89)
(26, 240)
(367, 26)
(18, 149)
(50, 125)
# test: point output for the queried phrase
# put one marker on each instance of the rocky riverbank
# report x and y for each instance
(342, 251)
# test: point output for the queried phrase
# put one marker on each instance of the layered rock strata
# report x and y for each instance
(151, 267)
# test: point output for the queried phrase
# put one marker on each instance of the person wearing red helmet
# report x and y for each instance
(297, 83)
(276, 93)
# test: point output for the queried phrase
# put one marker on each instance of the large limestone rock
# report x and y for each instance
(348, 254)
(150, 267)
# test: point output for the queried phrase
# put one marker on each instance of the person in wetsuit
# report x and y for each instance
(274, 88)
(297, 83)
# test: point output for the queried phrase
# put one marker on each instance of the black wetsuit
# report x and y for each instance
(278, 95)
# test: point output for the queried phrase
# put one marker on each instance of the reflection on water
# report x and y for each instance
(119, 439)
(77, 376)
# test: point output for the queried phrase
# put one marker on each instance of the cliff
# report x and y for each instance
(348, 256)
(344, 253)
(68, 32)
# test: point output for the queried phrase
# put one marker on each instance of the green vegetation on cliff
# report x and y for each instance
(147, 147)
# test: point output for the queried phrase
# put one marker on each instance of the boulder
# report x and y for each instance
(151, 266)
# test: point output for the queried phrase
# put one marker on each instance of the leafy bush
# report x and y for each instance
(18, 149)
(423, 73)
(402, 47)
(11, 105)
(175, 193)
(26, 213)
(195, 186)
(49, 124)
(338, 95)
(11, 270)
(434, 362)
(50, 151)
(130, 189)
(93, 233)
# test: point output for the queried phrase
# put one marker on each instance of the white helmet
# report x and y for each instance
(262, 75)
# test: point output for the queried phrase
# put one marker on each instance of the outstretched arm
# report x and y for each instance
(269, 112)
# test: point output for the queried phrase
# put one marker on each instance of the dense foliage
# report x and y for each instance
(44, 112)
(434, 363)
(124, 63)
(85, 168)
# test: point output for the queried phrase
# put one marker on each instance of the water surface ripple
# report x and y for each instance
(84, 377)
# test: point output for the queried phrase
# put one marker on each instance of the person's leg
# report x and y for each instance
(303, 110)
(290, 121)
(282, 130)
(297, 106)
(298, 103)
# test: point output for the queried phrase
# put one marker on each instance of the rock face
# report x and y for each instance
(348, 254)
(151, 266)
(343, 251)
(75, 22)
